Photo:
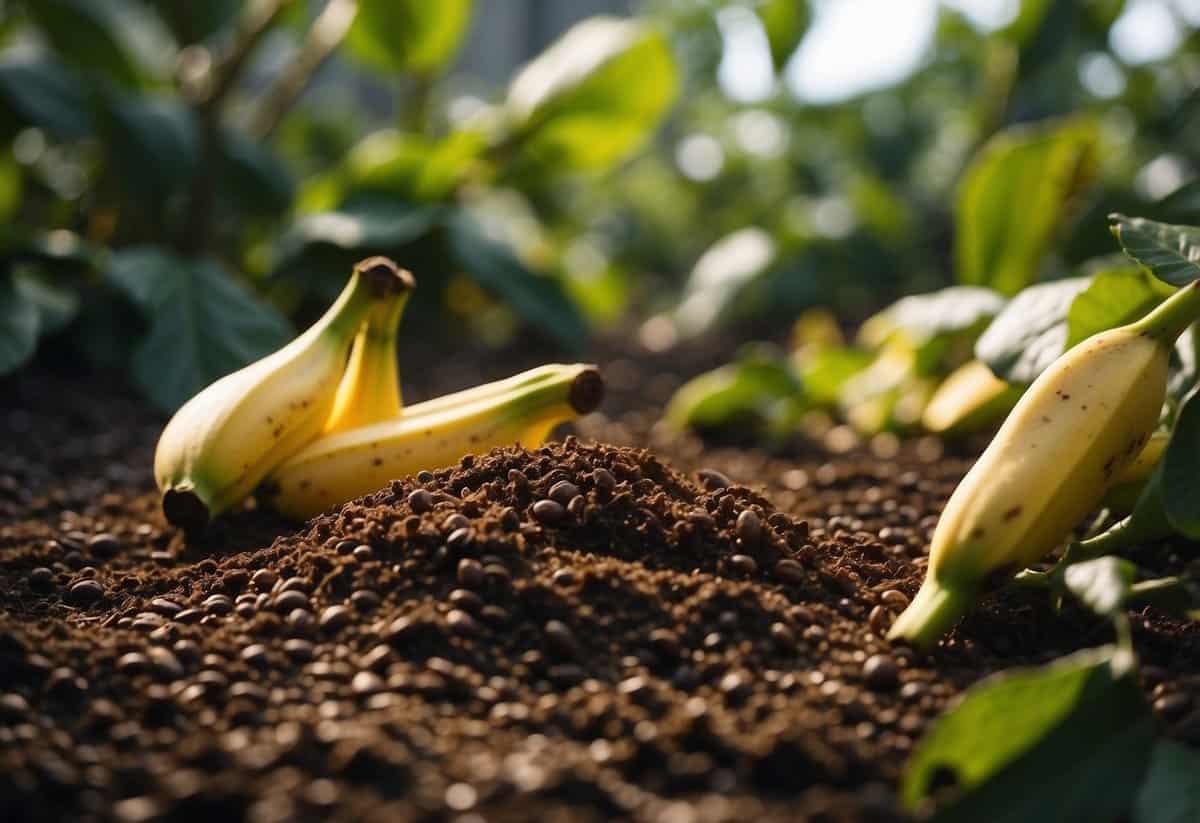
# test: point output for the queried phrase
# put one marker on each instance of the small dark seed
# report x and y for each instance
(104, 545)
(420, 501)
(562, 491)
(549, 512)
(470, 573)
(85, 592)
(335, 617)
(749, 528)
(881, 672)
(41, 579)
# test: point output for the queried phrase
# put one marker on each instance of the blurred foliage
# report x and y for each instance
(272, 143)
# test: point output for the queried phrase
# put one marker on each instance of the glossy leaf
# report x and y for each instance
(1171, 791)
(923, 316)
(593, 97)
(1113, 298)
(539, 300)
(1066, 741)
(1031, 331)
(1171, 253)
(117, 39)
(1101, 584)
(41, 92)
(56, 306)
(408, 35)
(18, 326)
(746, 393)
(785, 22)
(202, 323)
(253, 178)
(1014, 196)
(366, 227)
(719, 276)
(154, 144)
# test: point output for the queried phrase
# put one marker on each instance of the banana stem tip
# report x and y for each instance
(587, 390)
(184, 508)
(931, 614)
(384, 276)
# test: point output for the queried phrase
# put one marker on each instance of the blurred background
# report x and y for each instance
(182, 185)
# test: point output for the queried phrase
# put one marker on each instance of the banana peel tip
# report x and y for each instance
(587, 391)
(183, 508)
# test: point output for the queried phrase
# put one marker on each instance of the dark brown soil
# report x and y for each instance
(585, 632)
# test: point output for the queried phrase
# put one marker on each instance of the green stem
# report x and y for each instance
(931, 614)
(1171, 317)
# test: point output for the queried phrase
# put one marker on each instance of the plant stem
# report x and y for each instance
(327, 32)
(1171, 317)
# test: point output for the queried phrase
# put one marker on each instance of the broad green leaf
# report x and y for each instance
(721, 273)
(1028, 20)
(369, 226)
(1101, 584)
(940, 327)
(1180, 480)
(154, 145)
(253, 178)
(1031, 331)
(539, 300)
(593, 97)
(392, 163)
(785, 22)
(56, 306)
(41, 92)
(408, 35)
(203, 323)
(1014, 196)
(193, 22)
(118, 39)
(1182, 204)
(1113, 298)
(1171, 791)
(18, 326)
(825, 371)
(1066, 741)
(747, 392)
(1171, 253)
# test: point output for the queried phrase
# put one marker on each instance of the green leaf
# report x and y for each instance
(41, 92)
(408, 35)
(745, 393)
(1171, 253)
(1101, 584)
(1181, 204)
(1028, 21)
(921, 317)
(118, 39)
(193, 22)
(1014, 196)
(154, 144)
(1180, 480)
(254, 179)
(1031, 331)
(593, 97)
(56, 306)
(203, 323)
(785, 22)
(368, 226)
(1171, 791)
(825, 371)
(725, 269)
(1113, 298)
(541, 301)
(406, 166)
(18, 327)
(1066, 741)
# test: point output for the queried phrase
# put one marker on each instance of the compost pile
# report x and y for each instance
(582, 632)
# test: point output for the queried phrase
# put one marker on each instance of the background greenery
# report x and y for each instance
(181, 186)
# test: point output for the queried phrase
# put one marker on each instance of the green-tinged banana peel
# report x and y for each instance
(969, 400)
(370, 388)
(1126, 490)
(1070, 435)
(223, 441)
(342, 466)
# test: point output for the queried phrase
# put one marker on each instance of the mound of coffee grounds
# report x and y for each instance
(578, 633)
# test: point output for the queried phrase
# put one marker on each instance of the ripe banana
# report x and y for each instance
(1081, 422)
(223, 441)
(370, 388)
(970, 399)
(348, 464)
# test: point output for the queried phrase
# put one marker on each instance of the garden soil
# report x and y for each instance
(627, 624)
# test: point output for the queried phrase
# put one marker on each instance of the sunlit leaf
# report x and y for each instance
(721, 273)
(364, 228)
(1171, 253)
(203, 324)
(408, 35)
(785, 22)
(1101, 584)
(1031, 331)
(1113, 298)
(1014, 196)
(592, 97)
(1066, 741)
(744, 393)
